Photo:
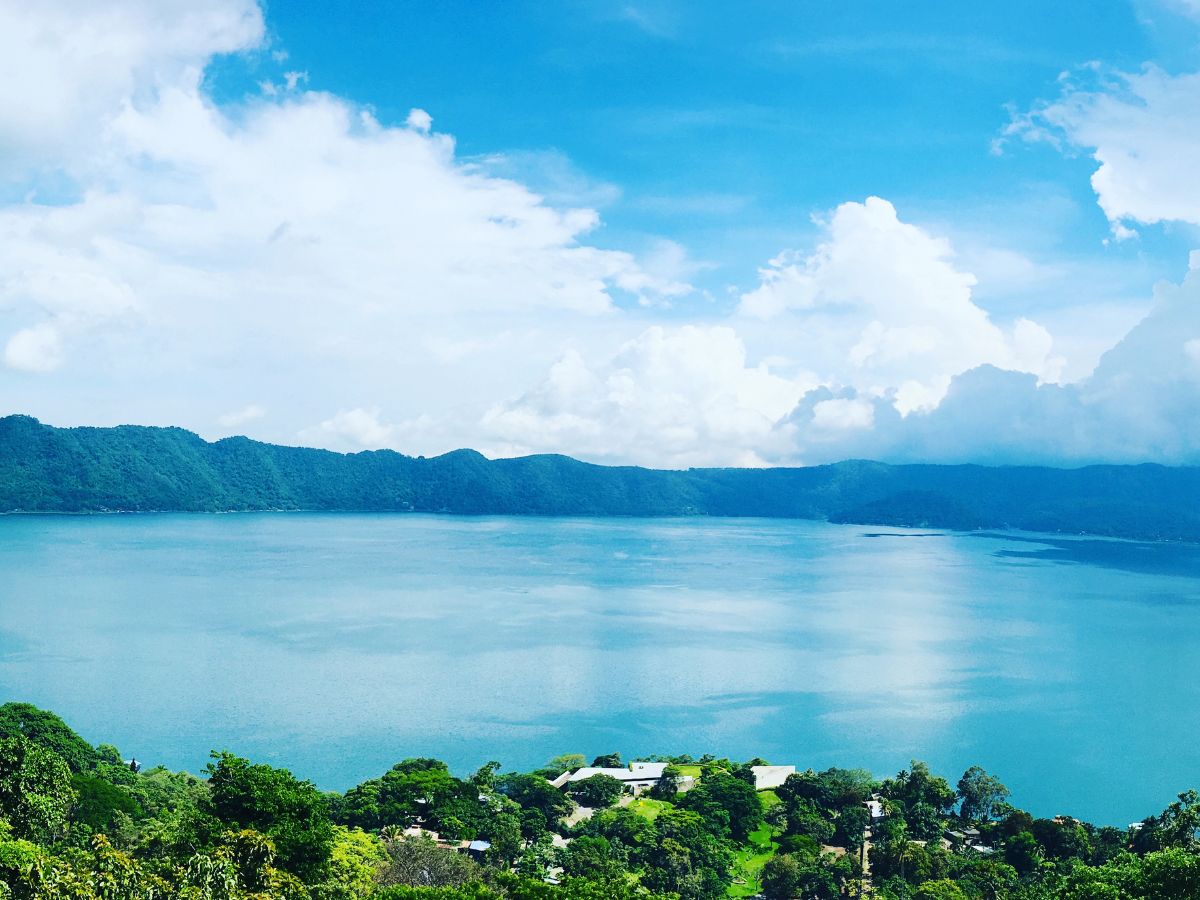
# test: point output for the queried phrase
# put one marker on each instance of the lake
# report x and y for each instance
(338, 644)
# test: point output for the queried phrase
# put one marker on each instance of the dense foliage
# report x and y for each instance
(45, 469)
(77, 823)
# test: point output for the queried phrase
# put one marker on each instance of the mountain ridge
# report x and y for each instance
(135, 468)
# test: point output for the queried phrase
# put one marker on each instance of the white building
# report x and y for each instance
(637, 777)
(768, 777)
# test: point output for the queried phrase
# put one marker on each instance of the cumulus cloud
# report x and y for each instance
(882, 306)
(419, 120)
(36, 349)
(354, 429)
(65, 67)
(671, 396)
(902, 366)
(150, 235)
(1142, 128)
(286, 227)
(241, 416)
(1139, 405)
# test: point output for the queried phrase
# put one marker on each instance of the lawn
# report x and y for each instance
(647, 807)
(748, 863)
(769, 799)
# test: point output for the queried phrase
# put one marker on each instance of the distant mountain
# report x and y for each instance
(135, 468)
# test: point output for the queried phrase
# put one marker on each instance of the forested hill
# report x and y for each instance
(134, 468)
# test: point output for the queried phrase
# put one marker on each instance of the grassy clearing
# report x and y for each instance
(648, 808)
(693, 771)
(749, 861)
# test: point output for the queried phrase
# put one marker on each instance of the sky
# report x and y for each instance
(662, 233)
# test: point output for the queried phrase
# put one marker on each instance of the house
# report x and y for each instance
(768, 777)
(478, 848)
(636, 777)
(875, 809)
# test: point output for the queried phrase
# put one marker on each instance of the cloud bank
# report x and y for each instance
(287, 264)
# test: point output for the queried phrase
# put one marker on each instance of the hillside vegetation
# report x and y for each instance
(141, 469)
(79, 823)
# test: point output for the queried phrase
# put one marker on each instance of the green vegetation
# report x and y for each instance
(77, 823)
(648, 807)
(45, 469)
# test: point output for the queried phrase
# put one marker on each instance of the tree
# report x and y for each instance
(782, 877)
(1023, 853)
(49, 732)
(97, 802)
(785, 877)
(686, 858)
(805, 818)
(35, 789)
(594, 857)
(533, 792)
(918, 785)
(734, 800)
(831, 790)
(851, 825)
(418, 789)
(1062, 839)
(1176, 826)
(667, 787)
(503, 832)
(598, 791)
(925, 823)
(981, 795)
(293, 813)
(566, 762)
(608, 761)
(942, 889)
(355, 861)
(419, 862)
(485, 776)
(621, 827)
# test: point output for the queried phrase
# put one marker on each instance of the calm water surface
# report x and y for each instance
(338, 644)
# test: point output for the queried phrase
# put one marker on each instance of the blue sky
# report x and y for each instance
(631, 232)
(726, 132)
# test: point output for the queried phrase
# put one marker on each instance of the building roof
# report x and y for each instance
(767, 777)
(875, 808)
(649, 772)
(480, 846)
(648, 769)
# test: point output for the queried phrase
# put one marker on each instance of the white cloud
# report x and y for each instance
(419, 120)
(1142, 128)
(65, 67)
(880, 305)
(353, 429)
(293, 242)
(36, 349)
(288, 230)
(241, 416)
(1138, 406)
(677, 397)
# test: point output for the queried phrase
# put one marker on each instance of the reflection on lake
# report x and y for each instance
(338, 644)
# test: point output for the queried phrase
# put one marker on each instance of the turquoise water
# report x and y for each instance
(339, 644)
